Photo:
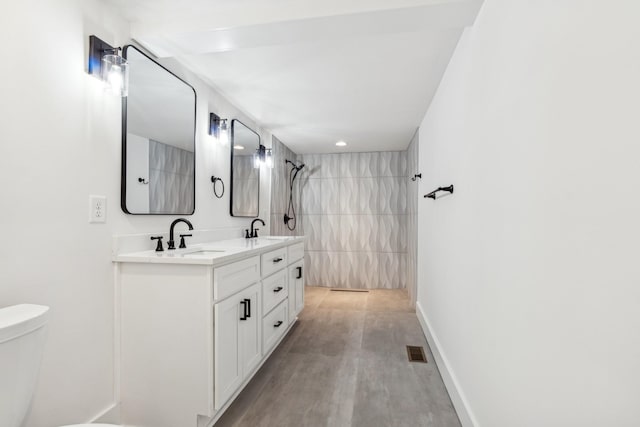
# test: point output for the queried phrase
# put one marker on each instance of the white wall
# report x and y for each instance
(60, 142)
(529, 274)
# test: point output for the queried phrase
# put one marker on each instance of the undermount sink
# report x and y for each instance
(205, 252)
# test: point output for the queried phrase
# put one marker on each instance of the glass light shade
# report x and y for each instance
(115, 73)
(269, 159)
(223, 132)
(256, 160)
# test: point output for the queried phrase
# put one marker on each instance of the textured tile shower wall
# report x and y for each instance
(354, 214)
(280, 189)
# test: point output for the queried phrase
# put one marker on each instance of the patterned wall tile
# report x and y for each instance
(330, 165)
(368, 194)
(368, 165)
(170, 179)
(311, 273)
(392, 269)
(243, 168)
(359, 270)
(245, 202)
(393, 195)
(330, 196)
(331, 233)
(313, 230)
(349, 232)
(403, 229)
(322, 269)
(311, 197)
(349, 196)
(368, 233)
(393, 163)
(342, 222)
(313, 167)
(348, 165)
(359, 233)
(392, 235)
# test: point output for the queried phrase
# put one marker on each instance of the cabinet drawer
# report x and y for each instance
(296, 252)
(273, 326)
(274, 290)
(231, 278)
(273, 261)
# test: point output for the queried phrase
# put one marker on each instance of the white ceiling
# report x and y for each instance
(313, 72)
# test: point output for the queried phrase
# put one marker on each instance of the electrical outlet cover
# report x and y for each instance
(97, 209)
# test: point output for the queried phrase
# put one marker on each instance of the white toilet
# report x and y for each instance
(22, 336)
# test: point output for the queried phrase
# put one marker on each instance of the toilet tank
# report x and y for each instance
(22, 336)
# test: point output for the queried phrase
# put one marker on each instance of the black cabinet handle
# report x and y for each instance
(277, 260)
(299, 272)
(278, 289)
(244, 309)
(248, 307)
(277, 325)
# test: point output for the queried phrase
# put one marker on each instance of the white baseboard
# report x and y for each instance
(458, 398)
(110, 415)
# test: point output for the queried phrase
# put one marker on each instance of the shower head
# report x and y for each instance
(295, 166)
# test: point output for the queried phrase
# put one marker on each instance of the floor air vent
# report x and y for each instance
(349, 290)
(416, 354)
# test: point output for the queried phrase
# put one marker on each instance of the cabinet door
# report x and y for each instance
(299, 287)
(228, 364)
(296, 289)
(250, 330)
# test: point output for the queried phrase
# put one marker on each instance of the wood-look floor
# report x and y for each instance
(345, 364)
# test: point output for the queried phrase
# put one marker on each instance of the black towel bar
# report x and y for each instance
(432, 195)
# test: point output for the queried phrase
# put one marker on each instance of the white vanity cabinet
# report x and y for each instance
(194, 327)
(238, 347)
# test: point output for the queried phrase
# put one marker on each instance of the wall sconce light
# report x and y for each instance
(263, 156)
(106, 64)
(218, 128)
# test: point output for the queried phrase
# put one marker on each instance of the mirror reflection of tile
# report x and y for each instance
(246, 181)
(170, 173)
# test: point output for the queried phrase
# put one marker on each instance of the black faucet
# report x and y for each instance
(254, 231)
(171, 243)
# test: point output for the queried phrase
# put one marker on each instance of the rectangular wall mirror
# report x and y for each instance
(158, 140)
(245, 177)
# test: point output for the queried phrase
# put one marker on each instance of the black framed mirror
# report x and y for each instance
(158, 140)
(245, 176)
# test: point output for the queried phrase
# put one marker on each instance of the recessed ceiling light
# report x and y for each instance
(341, 143)
(238, 147)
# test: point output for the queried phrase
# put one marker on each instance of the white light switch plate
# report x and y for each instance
(97, 209)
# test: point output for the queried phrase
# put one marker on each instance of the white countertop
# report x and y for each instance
(213, 253)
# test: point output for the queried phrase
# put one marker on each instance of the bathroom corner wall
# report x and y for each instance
(280, 189)
(412, 217)
(354, 214)
(528, 274)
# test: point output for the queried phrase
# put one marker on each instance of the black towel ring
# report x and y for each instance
(215, 179)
